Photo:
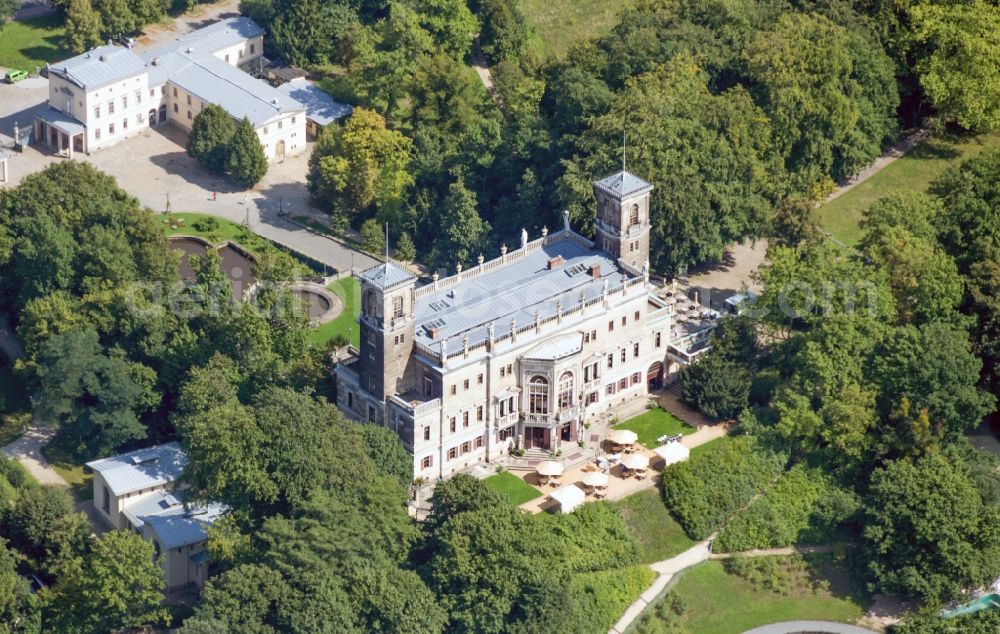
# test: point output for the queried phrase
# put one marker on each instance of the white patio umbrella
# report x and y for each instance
(549, 468)
(636, 461)
(623, 436)
(596, 479)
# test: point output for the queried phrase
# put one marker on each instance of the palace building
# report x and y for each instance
(101, 97)
(520, 351)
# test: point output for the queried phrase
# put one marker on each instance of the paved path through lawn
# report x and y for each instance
(27, 451)
(798, 627)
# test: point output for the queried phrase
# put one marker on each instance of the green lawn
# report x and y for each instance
(721, 603)
(915, 171)
(70, 469)
(558, 24)
(653, 424)
(26, 44)
(513, 487)
(15, 408)
(195, 224)
(349, 292)
(658, 533)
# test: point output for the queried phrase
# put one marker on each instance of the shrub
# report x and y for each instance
(708, 488)
(211, 134)
(208, 224)
(803, 506)
(594, 538)
(665, 618)
(782, 575)
(599, 598)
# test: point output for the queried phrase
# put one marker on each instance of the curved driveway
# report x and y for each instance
(809, 627)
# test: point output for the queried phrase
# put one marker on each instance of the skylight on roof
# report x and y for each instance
(576, 270)
(143, 458)
(439, 305)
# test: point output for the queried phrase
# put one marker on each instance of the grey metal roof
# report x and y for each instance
(212, 38)
(320, 106)
(516, 291)
(182, 526)
(142, 468)
(61, 121)
(623, 184)
(214, 81)
(151, 505)
(100, 66)
(386, 275)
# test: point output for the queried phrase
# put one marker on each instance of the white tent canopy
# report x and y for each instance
(672, 453)
(636, 461)
(568, 498)
(549, 468)
(623, 436)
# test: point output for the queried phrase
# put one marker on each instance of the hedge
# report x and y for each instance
(599, 598)
(704, 491)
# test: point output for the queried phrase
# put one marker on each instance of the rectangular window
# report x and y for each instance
(611, 360)
(175, 91)
(465, 419)
(510, 369)
(623, 320)
(454, 390)
(635, 350)
(125, 124)
(97, 112)
(623, 355)
(428, 386)
(97, 133)
(427, 462)
(465, 384)
(175, 107)
(503, 372)
(593, 335)
(281, 125)
(479, 442)
(227, 58)
(611, 325)
(189, 99)
(452, 453)
(427, 432)
(466, 447)
(623, 384)
(451, 424)
(503, 408)
(656, 339)
(293, 120)
(479, 379)
(510, 404)
(636, 378)
(610, 389)
(189, 114)
(591, 398)
(479, 413)
(586, 337)
(106, 504)
(111, 128)
(124, 102)
(111, 107)
(253, 48)
(507, 432)
(637, 315)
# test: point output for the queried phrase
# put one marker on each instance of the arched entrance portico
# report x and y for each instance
(654, 376)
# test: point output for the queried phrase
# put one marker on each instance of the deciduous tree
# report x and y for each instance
(211, 135)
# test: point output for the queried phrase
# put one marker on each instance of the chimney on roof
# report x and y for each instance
(156, 61)
(594, 271)
(432, 332)
(101, 58)
(555, 262)
(189, 50)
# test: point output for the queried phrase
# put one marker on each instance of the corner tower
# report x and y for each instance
(386, 328)
(623, 217)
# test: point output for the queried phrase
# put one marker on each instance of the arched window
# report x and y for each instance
(538, 395)
(566, 390)
(370, 303)
(397, 307)
(633, 216)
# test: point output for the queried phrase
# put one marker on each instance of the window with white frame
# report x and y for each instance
(538, 395)
(566, 390)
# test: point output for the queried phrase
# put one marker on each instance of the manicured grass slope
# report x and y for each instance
(653, 424)
(26, 44)
(721, 603)
(558, 25)
(913, 172)
(349, 292)
(658, 533)
(513, 487)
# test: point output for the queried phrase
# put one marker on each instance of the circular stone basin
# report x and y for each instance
(235, 263)
(323, 304)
